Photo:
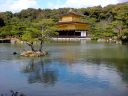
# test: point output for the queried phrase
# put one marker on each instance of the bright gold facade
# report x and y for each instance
(72, 21)
(73, 26)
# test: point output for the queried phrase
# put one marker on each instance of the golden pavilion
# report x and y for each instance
(70, 25)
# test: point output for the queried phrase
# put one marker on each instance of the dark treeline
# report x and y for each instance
(108, 22)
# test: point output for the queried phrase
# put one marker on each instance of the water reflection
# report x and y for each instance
(69, 70)
(121, 65)
(39, 72)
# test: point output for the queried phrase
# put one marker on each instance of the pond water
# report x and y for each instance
(70, 69)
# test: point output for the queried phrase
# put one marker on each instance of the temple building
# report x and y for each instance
(70, 26)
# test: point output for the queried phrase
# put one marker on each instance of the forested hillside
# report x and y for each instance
(108, 22)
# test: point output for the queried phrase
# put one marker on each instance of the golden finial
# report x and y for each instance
(70, 10)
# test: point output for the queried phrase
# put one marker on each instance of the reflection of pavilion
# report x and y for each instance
(40, 72)
(68, 57)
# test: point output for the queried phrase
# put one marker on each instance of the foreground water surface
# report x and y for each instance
(70, 69)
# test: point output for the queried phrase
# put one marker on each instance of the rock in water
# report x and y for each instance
(34, 54)
(14, 53)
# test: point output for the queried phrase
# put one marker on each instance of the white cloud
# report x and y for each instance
(17, 5)
(123, 0)
(85, 3)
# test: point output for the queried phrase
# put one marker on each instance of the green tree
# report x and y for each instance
(41, 31)
(14, 28)
(102, 30)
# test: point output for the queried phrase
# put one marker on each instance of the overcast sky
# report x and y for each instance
(17, 5)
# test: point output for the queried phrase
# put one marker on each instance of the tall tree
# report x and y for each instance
(41, 31)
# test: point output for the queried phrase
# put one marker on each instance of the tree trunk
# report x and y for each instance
(31, 45)
(32, 48)
(41, 44)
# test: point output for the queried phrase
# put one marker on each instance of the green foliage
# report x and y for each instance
(2, 22)
(109, 21)
(102, 30)
(40, 30)
(31, 35)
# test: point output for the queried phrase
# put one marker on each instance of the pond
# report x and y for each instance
(70, 69)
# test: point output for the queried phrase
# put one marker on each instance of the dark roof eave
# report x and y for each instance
(72, 30)
(72, 23)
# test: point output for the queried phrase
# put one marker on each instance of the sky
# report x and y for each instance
(18, 5)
